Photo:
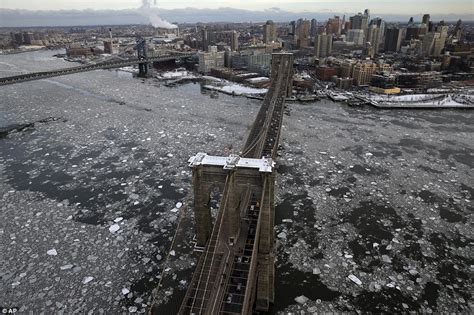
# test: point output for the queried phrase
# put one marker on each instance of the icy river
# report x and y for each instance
(374, 207)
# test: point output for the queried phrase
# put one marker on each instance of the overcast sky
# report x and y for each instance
(376, 6)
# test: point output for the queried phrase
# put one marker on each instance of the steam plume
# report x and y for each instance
(152, 15)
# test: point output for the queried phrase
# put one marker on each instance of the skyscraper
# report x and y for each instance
(393, 39)
(373, 37)
(292, 27)
(269, 32)
(360, 22)
(333, 25)
(204, 39)
(426, 19)
(302, 31)
(314, 28)
(323, 45)
(234, 44)
(356, 36)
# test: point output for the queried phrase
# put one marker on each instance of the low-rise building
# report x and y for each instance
(324, 73)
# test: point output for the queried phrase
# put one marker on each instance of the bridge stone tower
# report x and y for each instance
(142, 55)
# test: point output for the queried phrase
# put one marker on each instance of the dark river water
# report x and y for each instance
(374, 208)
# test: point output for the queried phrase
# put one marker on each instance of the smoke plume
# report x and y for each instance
(152, 14)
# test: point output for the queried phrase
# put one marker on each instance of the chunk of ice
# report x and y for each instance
(87, 279)
(114, 228)
(301, 299)
(355, 279)
(52, 252)
(66, 267)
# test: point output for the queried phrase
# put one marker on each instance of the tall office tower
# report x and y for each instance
(367, 13)
(292, 27)
(234, 44)
(373, 37)
(355, 36)
(426, 19)
(333, 25)
(426, 24)
(410, 21)
(204, 39)
(323, 45)
(360, 22)
(457, 32)
(439, 40)
(269, 32)
(314, 28)
(343, 23)
(302, 31)
(393, 39)
(380, 24)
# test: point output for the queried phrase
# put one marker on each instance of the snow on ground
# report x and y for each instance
(182, 74)
(236, 89)
(130, 69)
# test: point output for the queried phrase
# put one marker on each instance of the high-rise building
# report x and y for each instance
(434, 42)
(302, 31)
(360, 22)
(457, 32)
(414, 31)
(269, 32)
(393, 39)
(204, 39)
(426, 19)
(355, 36)
(333, 25)
(292, 28)
(373, 37)
(234, 45)
(314, 28)
(367, 13)
(323, 45)
(375, 34)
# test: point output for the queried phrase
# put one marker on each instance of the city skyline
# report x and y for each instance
(349, 6)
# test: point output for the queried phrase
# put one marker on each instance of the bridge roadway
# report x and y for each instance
(235, 272)
(103, 65)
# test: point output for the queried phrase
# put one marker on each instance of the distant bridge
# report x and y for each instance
(236, 271)
(142, 61)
